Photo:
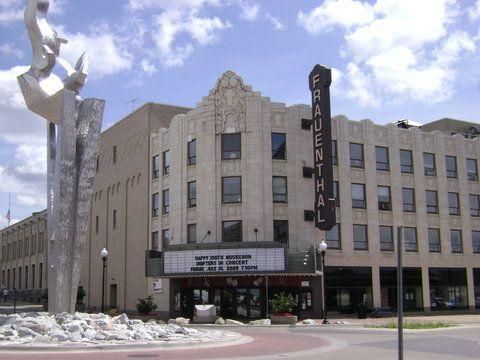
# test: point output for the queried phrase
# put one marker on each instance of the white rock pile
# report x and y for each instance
(40, 328)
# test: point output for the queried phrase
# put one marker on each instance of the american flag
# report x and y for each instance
(8, 215)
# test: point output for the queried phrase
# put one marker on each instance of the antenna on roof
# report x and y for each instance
(133, 101)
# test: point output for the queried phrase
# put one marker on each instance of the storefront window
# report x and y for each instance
(412, 288)
(448, 288)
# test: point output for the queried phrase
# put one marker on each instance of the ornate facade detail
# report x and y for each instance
(279, 210)
(433, 221)
(381, 135)
(449, 145)
(230, 103)
(191, 172)
(408, 180)
(278, 120)
(280, 168)
(355, 131)
(360, 215)
(191, 214)
(165, 221)
(165, 182)
(428, 141)
(231, 211)
(357, 175)
(405, 138)
(231, 167)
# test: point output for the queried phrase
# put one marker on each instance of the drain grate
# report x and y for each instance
(143, 356)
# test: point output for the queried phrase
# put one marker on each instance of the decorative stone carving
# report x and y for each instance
(455, 222)
(280, 168)
(191, 172)
(449, 145)
(360, 215)
(381, 135)
(230, 102)
(279, 210)
(165, 221)
(191, 126)
(231, 167)
(432, 221)
(428, 141)
(231, 211)
(191, 214)
(357, 175)
(405, 138)
(166, 182)
(278, 119)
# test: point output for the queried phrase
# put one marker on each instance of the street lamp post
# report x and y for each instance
(323, 249)
(103, 254)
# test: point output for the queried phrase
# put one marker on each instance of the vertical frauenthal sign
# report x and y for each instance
(320, 79)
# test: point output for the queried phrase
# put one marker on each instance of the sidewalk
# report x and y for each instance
(452, 319)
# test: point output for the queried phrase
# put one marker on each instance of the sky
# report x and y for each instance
(390, 60)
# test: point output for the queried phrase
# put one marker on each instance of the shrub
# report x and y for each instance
(282, 303)
(80, 295)
(146, 305)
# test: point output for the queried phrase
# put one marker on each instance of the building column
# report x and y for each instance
(470, 289)
(376, 292)
(426, 290)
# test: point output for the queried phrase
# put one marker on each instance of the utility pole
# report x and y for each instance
(400, 292)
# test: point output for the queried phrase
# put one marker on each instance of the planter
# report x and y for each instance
(284, 320)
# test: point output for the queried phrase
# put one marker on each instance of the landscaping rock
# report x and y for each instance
(233, 322)
(309, 322)
(220, 321)
(260, 322)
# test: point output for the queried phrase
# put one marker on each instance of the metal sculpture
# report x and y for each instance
(73, 132)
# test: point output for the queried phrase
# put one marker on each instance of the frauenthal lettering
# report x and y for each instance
(320, 79)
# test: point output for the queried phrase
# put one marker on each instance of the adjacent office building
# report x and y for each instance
(214, 205)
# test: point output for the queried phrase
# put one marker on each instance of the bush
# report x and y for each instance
(81, 295)
(146, 305)
(282, 303)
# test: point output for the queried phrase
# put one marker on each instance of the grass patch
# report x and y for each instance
(413, 325)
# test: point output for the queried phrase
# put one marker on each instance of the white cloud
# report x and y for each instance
(277, 24)
(147, 67)
(12, 10)
(474, 11)
(7, 49)
(396, 50)
(249, 11)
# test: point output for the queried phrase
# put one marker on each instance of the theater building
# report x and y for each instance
(215, 205)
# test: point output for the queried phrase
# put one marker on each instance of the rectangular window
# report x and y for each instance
(451, 166)
(26, 277)
(280, 231)
(386, 238)
(165, 202)
(155, 244)
(410, 236)
(192, 194)
(279, 186)
(156, 167)
(97, 164)
(429, 167)
(476, 242)
(360, 237)
(114, 154)
(40, 276)
(192, 152)
(474, 204)
(456, 241)
(20, 278)
(165, 238)
(231, 146)
(232, 231)
(166, 162)
(96, 224)
(336, 193)
(114, 219)
(192, 233)
(381, 156)
(453, 204)
(356, 155)
(384, 202)
(358, 196)
(406, 161)
(432, 201)
(434, 244)
(334, 153)
(155, 205)
(472, 170)
(33, 276)
(231, 190)
(279, 146)
(333, 237)
(408, 198)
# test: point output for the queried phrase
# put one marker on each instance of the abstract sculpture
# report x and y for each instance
(73, 135)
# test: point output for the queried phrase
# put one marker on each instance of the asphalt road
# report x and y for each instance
(316, 342)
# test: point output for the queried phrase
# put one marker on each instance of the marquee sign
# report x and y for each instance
(320, 79)
(224, 261)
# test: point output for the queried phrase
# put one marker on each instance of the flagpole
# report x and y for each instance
(9, 213)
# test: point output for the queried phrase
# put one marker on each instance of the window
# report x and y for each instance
(231, 146)
(155, 245)
(410, 236)
(20, 278)
(155, 205)
(358, 196)
(381, 156)
(96, 224)
(40, 276)
(26, 277)
(356, 155)
(97, 164)
(114, 219)
(360, 239)
(165, 237)
(332, 237)
(408, 198)
(474, 204)
(114, 154)
(165, 202)
(334, 153)
(231, 189)
(476, 242)
(386, 238)
(166, 162)
(279, 185)
(383, 193)
(451, 166)
(456, 241)
(406, 162)
(279, 146)
(280, 231)
(192, 152)
(429, 167)
(192, 233)
(434, 244)
(453, 204)
(33, 276)
(472, 170)
(232, 231)
(336, 193)
(155, 167)
(192, 194)
(432, 201)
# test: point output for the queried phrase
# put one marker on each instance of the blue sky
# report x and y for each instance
(391, 59)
